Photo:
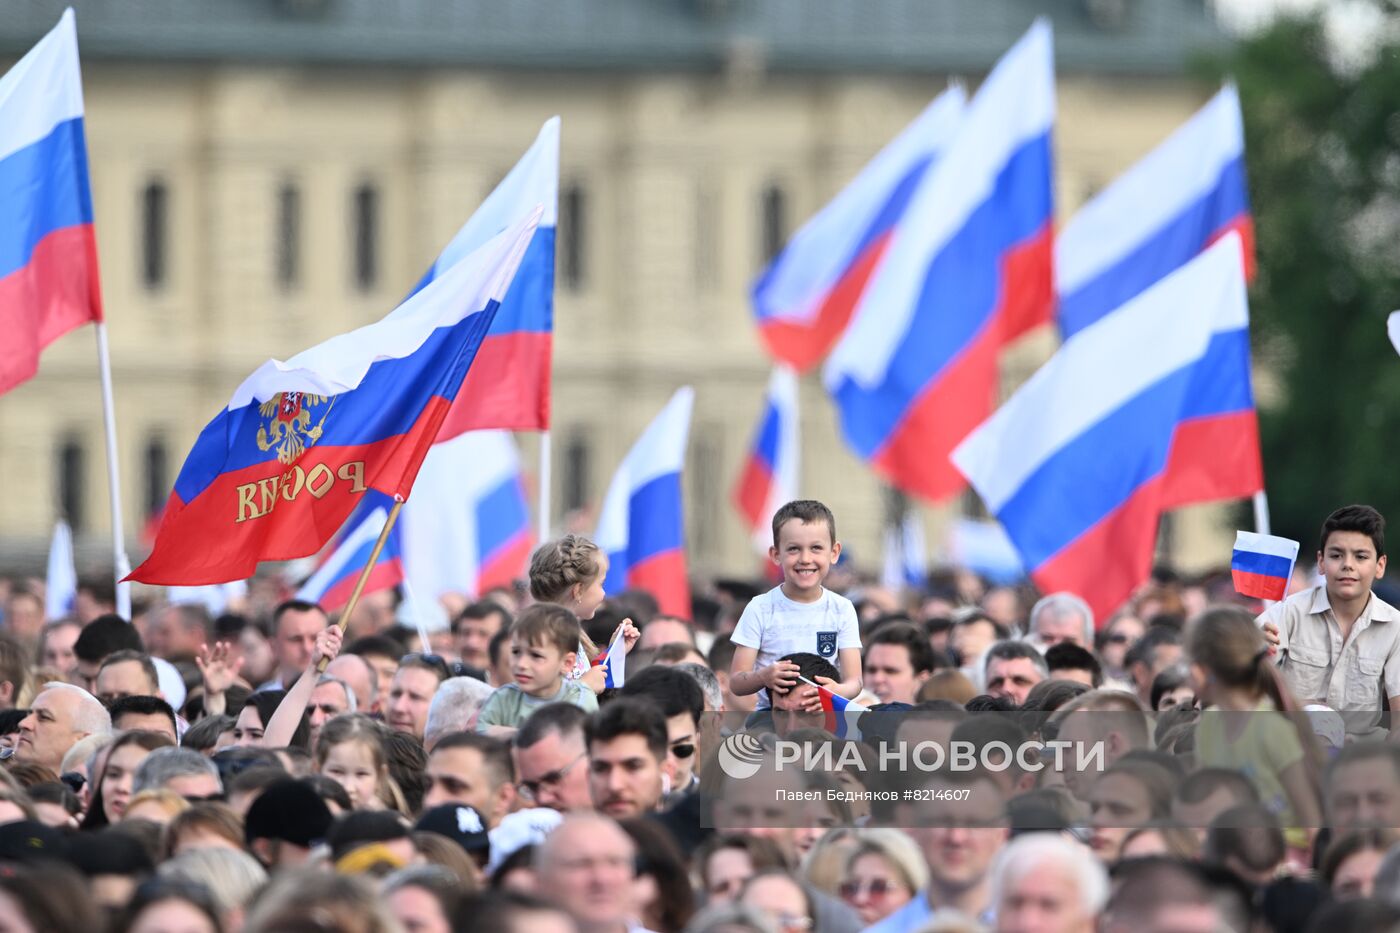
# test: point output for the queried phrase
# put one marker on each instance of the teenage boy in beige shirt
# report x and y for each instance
(1339, 644)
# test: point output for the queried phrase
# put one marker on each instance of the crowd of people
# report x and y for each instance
(1218, 766)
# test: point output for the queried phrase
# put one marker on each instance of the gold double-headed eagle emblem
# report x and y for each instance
(289, 429)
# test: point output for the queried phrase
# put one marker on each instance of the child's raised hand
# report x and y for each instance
(780, 676)
(629, 634)
(327, 645)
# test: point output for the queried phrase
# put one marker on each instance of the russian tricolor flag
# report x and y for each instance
(1158, 216)
(968, 272)
(330, 586)
(842, 715)
(280, 469)
(1262, 565)
(805, 298)
(508, 387)
(642, 526)
(467, 528)
(769, 477)
(48, 250)
(1148, 409)
(615, 664)
(1185, 195)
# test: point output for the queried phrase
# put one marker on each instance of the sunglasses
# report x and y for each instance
(436, 661)
(878, 888)
(73, 780)
(683, 751)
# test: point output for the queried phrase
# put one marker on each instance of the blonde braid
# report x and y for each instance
(557, 567)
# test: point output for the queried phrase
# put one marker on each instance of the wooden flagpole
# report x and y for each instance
(364, 574)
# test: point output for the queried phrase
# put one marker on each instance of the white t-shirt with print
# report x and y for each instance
(777, 627)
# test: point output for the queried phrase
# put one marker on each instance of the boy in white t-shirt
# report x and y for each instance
(798, 616)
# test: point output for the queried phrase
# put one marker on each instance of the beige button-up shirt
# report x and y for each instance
(1355, 677)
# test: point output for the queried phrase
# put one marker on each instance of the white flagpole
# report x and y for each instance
(1261, 512)
(120, 562)
(544, 480)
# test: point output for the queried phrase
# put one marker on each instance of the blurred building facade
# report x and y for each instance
(268, 173)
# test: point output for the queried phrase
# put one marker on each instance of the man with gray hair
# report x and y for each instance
(1045, 881)
(1011, 669)
(182, 770)
(60, 717)
(331, 697)
(454, 708)
(1061, 617)
(711, 726)
(709, 685)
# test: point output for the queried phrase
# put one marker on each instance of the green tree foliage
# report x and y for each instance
(1323, 159)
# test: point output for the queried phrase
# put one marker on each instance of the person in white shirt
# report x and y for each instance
(799, 616)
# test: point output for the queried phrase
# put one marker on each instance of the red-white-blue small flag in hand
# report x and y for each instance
(841, 713)
(1262, 565)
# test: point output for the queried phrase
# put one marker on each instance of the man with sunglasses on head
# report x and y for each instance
(551, 759)
(682, 702)
(411, 693)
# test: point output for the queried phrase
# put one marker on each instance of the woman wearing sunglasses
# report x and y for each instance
(1114, 641)
(883, 873)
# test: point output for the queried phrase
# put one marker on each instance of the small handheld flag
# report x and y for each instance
(1262, 565)
(615, 664)
(841, 714)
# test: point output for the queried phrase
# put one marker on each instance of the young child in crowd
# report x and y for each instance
(350, 751)
(569, 572)
(1241, 728)
(543, 646)
(1329, 647)
(800, 615)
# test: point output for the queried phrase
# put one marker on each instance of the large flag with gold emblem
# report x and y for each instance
(278, 471)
